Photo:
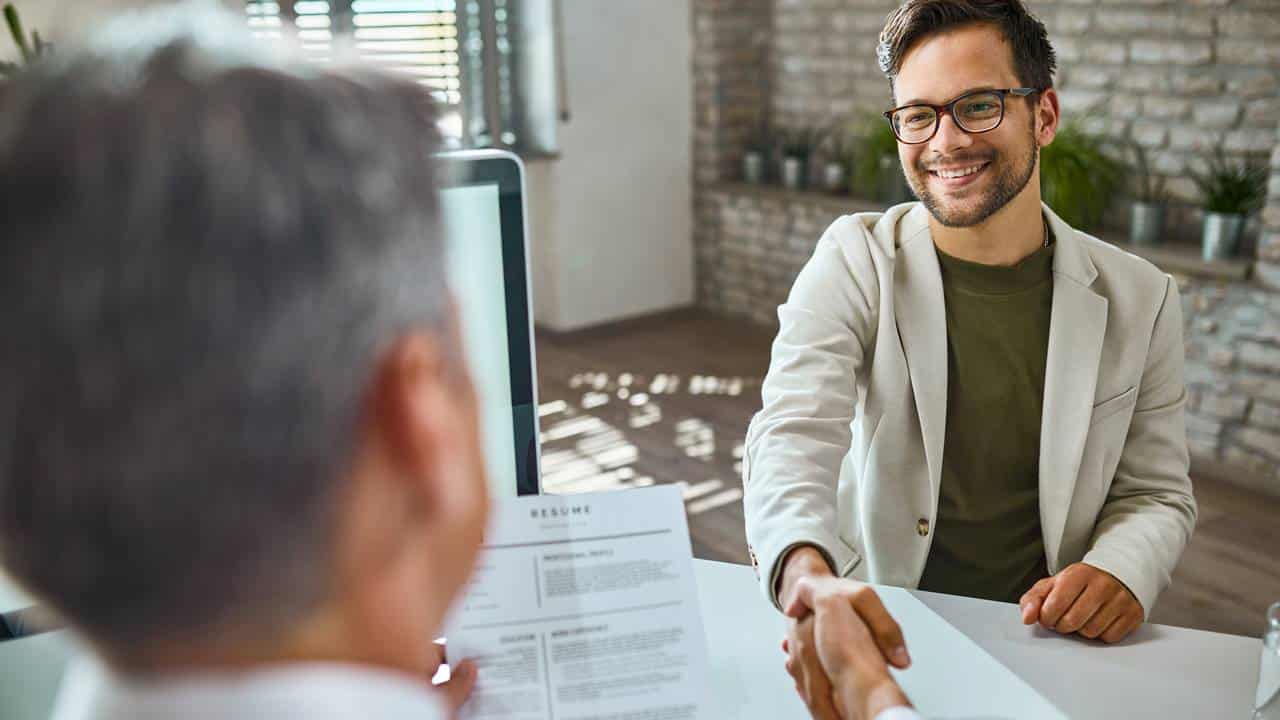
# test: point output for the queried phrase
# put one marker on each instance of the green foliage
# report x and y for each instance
(1234, 188)
(1150, 187)
(799, 142)
(756, 142)
(1077, 179)
(876, 140)
(29, 50)
(841, 144)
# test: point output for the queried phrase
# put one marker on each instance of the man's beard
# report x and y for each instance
(1009, 180)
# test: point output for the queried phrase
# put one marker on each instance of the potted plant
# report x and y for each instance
(797, 149)
(1230, 191)
(1150, 202)
(1077, 179)
(837, 159)
(753, 154)
(30, 51)
(877, 170)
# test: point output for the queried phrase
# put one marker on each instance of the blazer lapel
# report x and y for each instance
(1078, 322)
(922, 327)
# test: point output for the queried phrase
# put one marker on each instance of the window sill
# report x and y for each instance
(1175, 258)
(1186, 260)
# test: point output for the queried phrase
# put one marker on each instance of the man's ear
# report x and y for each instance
(411, 413)
(1048, 114)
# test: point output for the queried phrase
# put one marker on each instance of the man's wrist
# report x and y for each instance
(880, 697)
(800, 561)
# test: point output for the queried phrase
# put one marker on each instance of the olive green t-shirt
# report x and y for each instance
(987, 541)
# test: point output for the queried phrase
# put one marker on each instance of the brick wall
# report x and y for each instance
(1178, 76)
(1233, 379)
(1267, 270)
(730, 49)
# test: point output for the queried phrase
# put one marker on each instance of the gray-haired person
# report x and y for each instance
(239, 449)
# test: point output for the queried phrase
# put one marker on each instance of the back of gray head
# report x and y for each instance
(204, 251)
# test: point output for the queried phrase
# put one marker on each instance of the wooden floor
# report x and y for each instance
(668, 398)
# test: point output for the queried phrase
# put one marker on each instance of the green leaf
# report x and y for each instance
(877, 141)
(1232, 188)
(15, 29)
(1077, 179)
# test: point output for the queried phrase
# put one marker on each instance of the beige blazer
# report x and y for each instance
(846, 452)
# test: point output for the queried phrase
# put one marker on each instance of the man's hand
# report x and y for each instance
(802, 658)
(462, 680)
(1083, 599)
(805, 668)
(840, 647)
(801, 561)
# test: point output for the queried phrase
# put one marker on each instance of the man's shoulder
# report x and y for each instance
(1120, 272)
(881, 230)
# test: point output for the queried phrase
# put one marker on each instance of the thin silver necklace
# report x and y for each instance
(1046, 234)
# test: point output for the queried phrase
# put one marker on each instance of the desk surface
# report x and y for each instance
(1160, 672)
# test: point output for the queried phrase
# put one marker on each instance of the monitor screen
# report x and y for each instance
(482, 208)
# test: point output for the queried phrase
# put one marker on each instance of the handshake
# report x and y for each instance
(840, 643)
(841, 640)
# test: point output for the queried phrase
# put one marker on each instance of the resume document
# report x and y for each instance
(584, 607)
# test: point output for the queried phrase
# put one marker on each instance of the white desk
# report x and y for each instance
(1160, 672)
(31, 668)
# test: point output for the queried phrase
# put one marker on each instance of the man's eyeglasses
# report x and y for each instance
(975, 112)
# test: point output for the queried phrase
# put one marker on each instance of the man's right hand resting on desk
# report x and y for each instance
(840, 643)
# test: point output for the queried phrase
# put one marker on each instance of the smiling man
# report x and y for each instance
(967, 395)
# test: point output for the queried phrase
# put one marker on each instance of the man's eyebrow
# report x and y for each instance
(918, 101)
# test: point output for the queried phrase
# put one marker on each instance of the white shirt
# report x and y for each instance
(314, 691)
(900, 712)
(300, 690)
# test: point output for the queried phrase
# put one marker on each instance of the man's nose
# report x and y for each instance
(950, 137)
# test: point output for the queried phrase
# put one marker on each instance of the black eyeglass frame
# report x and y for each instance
(949, 109)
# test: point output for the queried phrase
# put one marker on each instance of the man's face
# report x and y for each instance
(939, 69)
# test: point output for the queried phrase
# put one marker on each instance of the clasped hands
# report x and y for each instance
(841, 641)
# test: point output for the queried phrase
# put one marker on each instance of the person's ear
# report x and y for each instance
(414, 414)
(1048, 114)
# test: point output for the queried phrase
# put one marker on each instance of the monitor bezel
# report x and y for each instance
(488, 167)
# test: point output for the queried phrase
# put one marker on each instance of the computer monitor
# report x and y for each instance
(482, 199)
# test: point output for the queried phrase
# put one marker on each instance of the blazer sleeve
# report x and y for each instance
(797, 441)
(1150, 511)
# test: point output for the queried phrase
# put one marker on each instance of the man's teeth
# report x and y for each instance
(949, 174)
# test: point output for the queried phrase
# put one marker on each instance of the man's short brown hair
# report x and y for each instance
(1033, 56)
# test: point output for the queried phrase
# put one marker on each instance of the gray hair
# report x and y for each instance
(203, 255)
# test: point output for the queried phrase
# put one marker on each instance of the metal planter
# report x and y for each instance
(1146, 223)
(833, 177)
(753, 167)
(793, 172)
(1221, 235)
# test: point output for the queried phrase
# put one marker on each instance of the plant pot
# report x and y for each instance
(1146, 223)
(753, 167)
(893, 185)
(833, 176)
(792, 172)
(1221, 235)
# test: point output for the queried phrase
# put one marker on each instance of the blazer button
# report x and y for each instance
(922, 527)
